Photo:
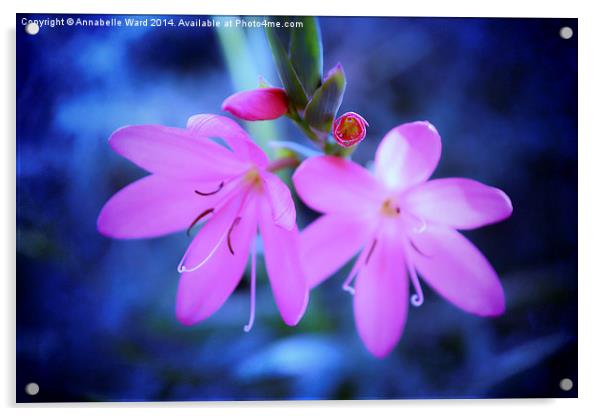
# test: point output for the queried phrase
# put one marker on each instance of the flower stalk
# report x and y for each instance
(283, 163)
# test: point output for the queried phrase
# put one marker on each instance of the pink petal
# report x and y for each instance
(332, 184)
(154, 206)
(173, 152)
(283, 264)
(459, 203)
(331, 241)
(215, 230)
(281, 201)
(214, 126)
(456, 269)
(203, 291)
(381, 297)
(258, 104)
(408, 155)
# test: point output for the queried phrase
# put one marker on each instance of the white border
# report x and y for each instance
(590, 202)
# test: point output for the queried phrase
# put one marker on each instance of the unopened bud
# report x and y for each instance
(349, 129)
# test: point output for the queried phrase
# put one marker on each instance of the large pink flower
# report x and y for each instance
(403, 226)
(194, 179)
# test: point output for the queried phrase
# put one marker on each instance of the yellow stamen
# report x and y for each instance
(390, 208)
(253, 178)
(350, 128)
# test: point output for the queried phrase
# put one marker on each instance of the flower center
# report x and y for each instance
(412, 224)
(253, 178)
(349, 128)
(390, 208)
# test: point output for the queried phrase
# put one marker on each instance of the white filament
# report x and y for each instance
(184, 269)
(249, 325)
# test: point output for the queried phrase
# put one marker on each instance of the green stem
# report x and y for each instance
(283, 163)
(329, 147)
(294, 115)
(242, 67)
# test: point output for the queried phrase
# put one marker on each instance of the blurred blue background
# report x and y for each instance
(95, 317)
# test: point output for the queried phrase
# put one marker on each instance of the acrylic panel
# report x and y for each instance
(295, 208)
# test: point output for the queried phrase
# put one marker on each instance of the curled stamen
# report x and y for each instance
(198, 218)
(371, 250)
(219, 188)
(234, 224)
(417, 298)
(419, 225)
(184, 269)
(249, 325)
(347, 285)
(419, 251)
(421, 228)
(354, 272)
(227, 233)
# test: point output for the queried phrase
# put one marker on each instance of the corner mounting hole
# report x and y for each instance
(32, 389)
(32, 28)
(566, 32)
(566, 384)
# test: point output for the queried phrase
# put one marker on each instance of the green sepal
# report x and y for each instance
(287, 74)
(306, 54)
(323, 106)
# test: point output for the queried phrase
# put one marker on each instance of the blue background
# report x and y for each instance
(95, 317)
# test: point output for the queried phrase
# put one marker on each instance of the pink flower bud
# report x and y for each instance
(258, 104)
(349, 129)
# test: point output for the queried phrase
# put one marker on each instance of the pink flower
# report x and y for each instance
(195, 179)
(403, 226)
(349, 129)
(258, 104)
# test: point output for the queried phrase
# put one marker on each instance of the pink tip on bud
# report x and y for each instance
(349, 129)
(258, 104)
